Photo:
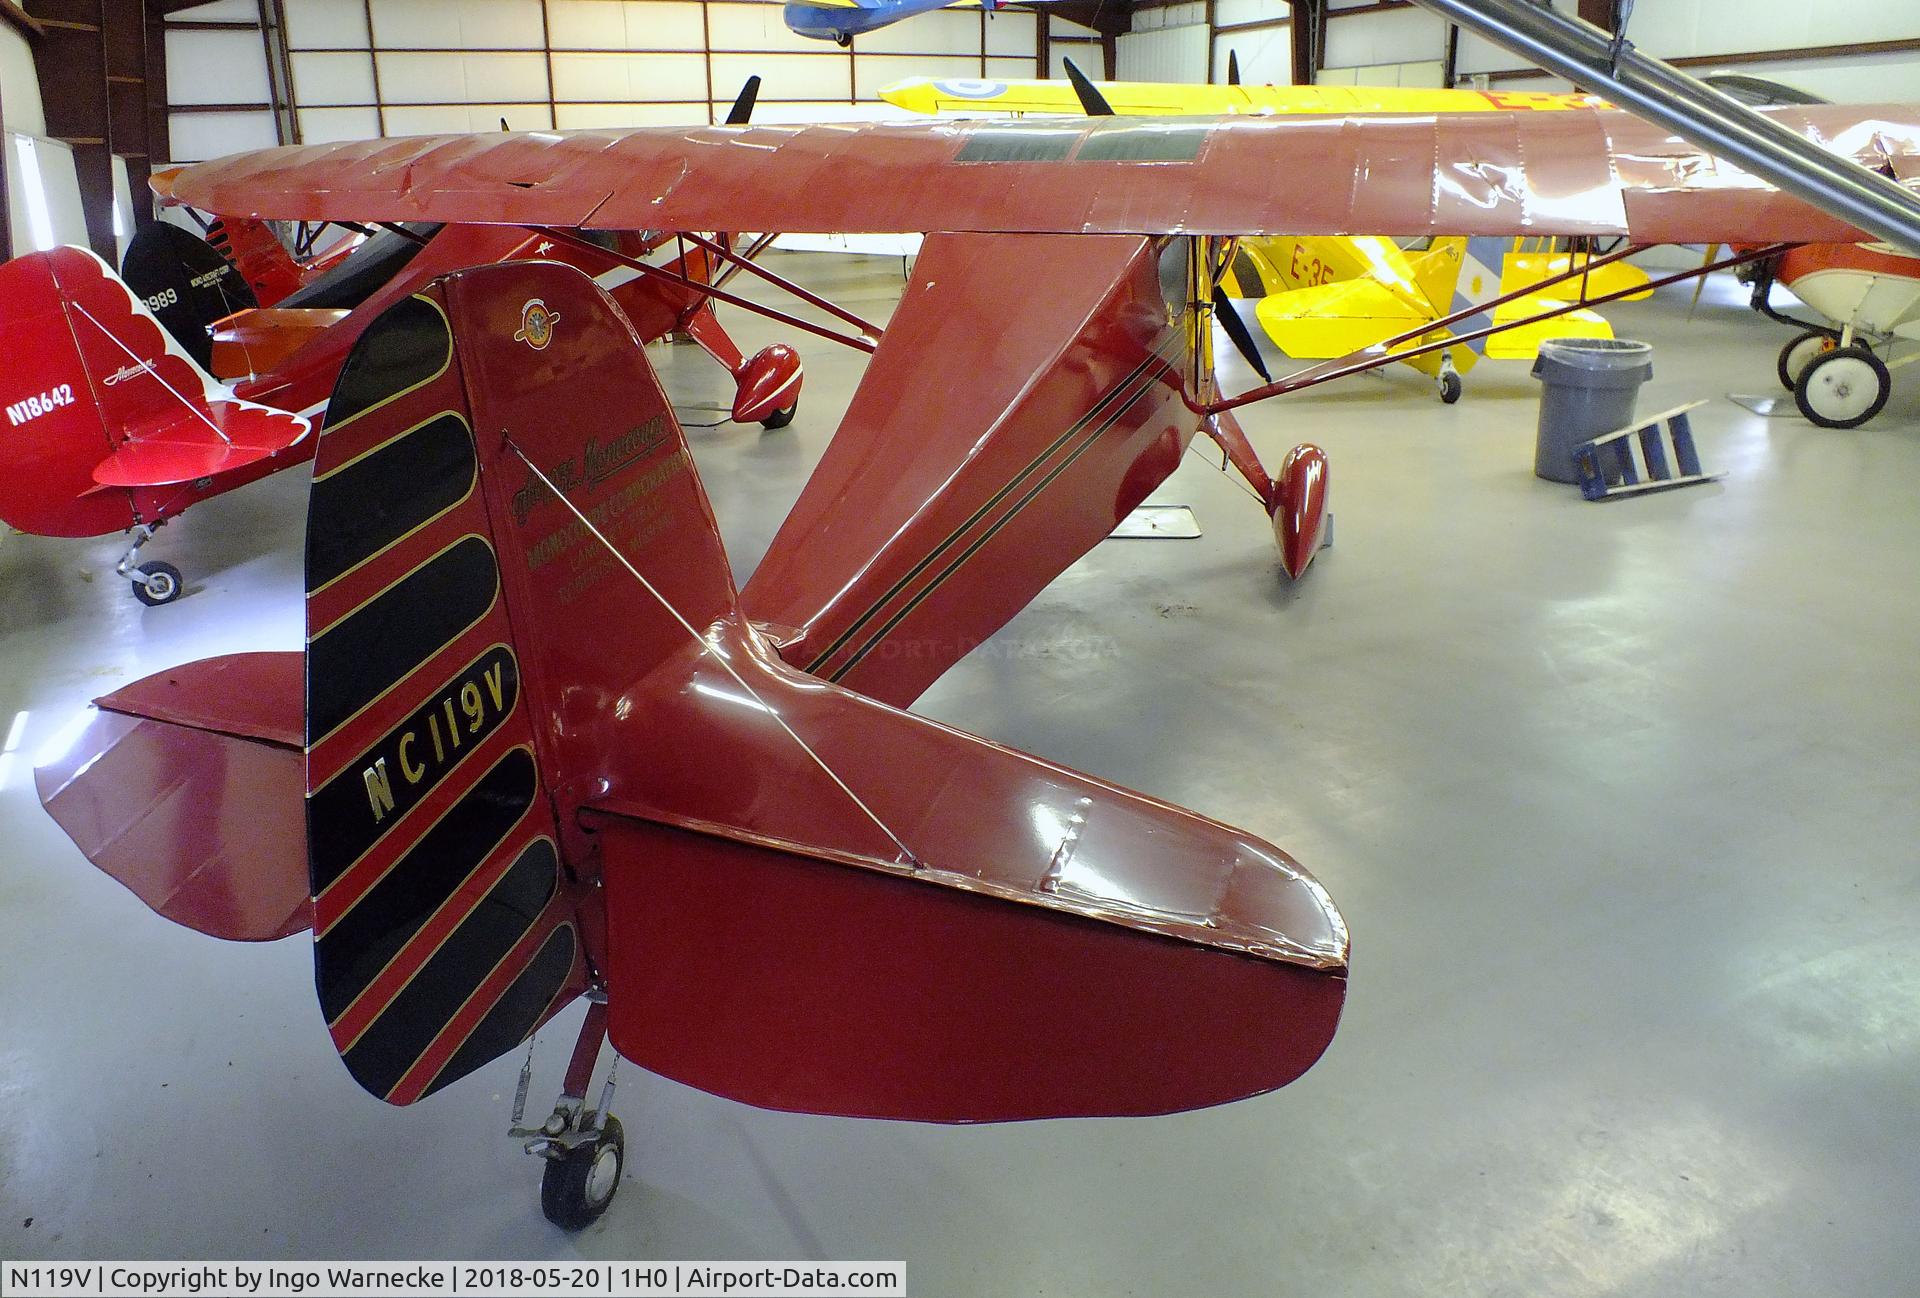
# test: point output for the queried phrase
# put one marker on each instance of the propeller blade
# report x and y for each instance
(503, 125)
(1092, 102)
(1237, 330)
(742, 110)
(1233, 67)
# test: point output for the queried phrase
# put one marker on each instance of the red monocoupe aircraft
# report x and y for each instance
(538, 747)
(112, 425)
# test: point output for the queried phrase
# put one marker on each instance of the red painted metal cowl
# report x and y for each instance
(768, 383)
(1299, 506)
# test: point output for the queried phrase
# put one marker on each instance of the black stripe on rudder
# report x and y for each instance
(350, 812)
(380, 643)
(518, 1012)
(359, 510)
(407, 345)
(361, 942)
(425, 1006)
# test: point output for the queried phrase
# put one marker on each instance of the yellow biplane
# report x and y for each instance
(1324, 297)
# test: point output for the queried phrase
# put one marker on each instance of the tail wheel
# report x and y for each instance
(1800, 353)
(781, 418)
(1843, 388)
(158, 583)
(1450, 386)
(579, 1185)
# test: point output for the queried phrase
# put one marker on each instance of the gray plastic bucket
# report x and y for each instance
(1588, 387)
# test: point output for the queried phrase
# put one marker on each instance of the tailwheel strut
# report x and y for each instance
(153, 583)
(585, 1149)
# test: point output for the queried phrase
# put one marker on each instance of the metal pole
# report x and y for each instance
(1702, 115)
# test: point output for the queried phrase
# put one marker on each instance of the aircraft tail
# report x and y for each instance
(185, 283)
(542, 739)
(104, 414)
(1461, 273)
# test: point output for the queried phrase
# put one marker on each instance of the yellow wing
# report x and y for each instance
(1328, 320)
(1166, 99)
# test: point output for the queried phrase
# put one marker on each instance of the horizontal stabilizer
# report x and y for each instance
(1328, 320)
(200, 443)
(191, 795)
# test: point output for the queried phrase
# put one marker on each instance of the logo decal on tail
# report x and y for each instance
(536, 325)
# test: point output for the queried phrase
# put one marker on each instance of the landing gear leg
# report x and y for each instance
(1449, 380)
(153, 583)
(585, 1149)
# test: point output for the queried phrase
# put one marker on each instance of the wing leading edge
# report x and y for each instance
(1601, 173)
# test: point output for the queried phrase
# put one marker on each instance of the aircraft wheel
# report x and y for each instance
(1843, 388)
(843, 39)
(158, 583)
(1450, 387)
(577, 1187)
(781, 418)
(1800, 353)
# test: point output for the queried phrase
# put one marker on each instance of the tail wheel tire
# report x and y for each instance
(781, 418)
(1800, 353)
(1450, 387)
(577, 1187)
(158, 583)
(1843, 388)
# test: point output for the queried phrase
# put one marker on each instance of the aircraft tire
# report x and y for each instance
(578, 1186)
(1843, 388)
(1450, 387)
(780, 418)
(158, 583)
(1800, 352)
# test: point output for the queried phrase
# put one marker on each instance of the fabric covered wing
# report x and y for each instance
(1600, 173)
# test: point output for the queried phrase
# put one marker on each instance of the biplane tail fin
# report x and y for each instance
(186, 283)
(98, 402)
(466, 637)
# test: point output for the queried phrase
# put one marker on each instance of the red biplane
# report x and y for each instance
(122, 409)
(538, 746)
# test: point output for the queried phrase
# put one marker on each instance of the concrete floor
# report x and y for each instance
(1618, 800)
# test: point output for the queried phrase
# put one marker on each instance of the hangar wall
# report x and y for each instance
(1867, 50)
(360, 68)
(42, 186)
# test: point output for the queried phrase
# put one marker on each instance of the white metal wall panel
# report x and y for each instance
(577, 116)
(43, 194)
(1680, 28)
(1228, 13)
(944, 31)
(1396, 36)
(323, 24)
(1173, 54)
(227, 11)
(1266, 56)
(1012, 32)
(755, 27)
(216, 68)
(446, 119)
(457, 24)
(462, 78)
(123, 208)
(1088, 58)
(790, 76)
(625, 25)
(198, 136)
(19, 85)
(1061, 27)
(1164, 16)
(325, 125)
(783, 112)
(1012, 69)
(1855, 79)
(627, 78)
(871, 71)
(332, 77)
